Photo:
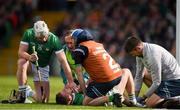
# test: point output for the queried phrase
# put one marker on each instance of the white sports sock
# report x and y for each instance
(29, 91)
(132, 98)
(22, 88)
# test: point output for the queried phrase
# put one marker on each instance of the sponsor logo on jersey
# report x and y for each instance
(47, 49)
(40, 47)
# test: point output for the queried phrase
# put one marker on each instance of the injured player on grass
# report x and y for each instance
(68, 97)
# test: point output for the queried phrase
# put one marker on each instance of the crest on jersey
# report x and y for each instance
(40, 47)
(47, 49)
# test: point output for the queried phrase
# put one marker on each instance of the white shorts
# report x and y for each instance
(44, 72)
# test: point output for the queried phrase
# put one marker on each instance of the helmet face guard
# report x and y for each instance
(40, 28)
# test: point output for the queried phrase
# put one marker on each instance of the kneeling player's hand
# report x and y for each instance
(33, 57)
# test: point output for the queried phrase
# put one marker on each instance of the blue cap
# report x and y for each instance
(75, 33)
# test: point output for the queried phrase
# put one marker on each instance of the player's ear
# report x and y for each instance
(137, 49)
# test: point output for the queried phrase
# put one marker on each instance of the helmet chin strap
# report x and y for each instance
(75, 42)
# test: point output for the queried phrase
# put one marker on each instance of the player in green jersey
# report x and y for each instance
(67, 97)
(45, 44)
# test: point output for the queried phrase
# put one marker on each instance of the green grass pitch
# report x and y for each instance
(7, 83)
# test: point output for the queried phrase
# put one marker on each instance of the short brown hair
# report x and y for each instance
(60, 99)
(131, 43)
(67, 33)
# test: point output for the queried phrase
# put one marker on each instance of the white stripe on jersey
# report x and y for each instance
(80, 50)
(59, 51)
(25, 43)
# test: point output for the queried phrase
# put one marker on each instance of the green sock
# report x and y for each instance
(111, 98)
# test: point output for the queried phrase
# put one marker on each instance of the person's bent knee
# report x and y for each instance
(126, 71)
(153, 100)
(21, 62)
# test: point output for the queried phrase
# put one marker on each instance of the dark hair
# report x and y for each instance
(60, 99)
(68, 32)
(131, 43)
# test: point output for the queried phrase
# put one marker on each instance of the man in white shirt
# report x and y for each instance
(160, 68)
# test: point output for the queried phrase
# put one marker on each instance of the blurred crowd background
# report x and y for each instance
(13, 13)
(110, 21)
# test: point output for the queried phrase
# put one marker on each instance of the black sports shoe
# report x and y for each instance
(21, 96)
(117, 100)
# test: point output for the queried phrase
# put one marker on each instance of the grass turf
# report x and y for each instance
(7, 83)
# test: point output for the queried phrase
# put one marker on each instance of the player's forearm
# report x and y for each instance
(156, 81)
(68, 74)
(82, 83)
(138, 84)
(63, 76)
(24, 55)
(63, 61)
(81, 78)
(67, 71)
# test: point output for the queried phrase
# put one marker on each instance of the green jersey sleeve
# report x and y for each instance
(57, 43)
(27, 35)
